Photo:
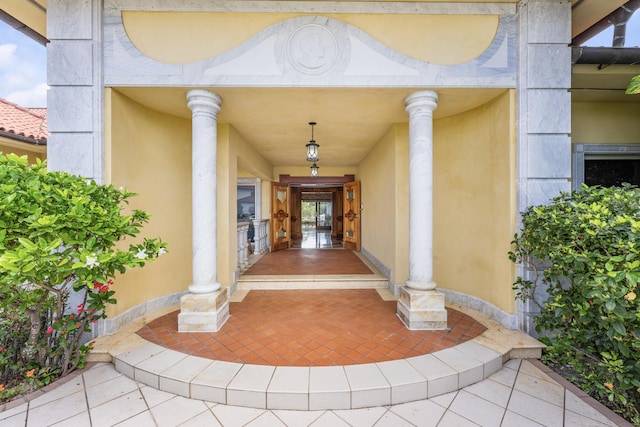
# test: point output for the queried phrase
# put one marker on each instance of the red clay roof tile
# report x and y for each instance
(23, 124)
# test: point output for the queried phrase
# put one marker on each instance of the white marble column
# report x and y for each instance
(205, 107)
(206, 308)
(420, 306)
(420, 106)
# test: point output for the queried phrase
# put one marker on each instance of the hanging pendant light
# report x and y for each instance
(314, 170)
(312, 147)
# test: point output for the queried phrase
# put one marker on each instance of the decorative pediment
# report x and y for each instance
(316, 51)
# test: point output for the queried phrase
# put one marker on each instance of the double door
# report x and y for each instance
(287, 222)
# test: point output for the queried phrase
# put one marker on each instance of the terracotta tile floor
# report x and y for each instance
(308, 262)
(311, 328)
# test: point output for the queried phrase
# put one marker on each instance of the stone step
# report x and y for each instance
(310, 388)
(352, 281)
(314, 388)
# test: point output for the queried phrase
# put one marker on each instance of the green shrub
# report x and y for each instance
(60, 235)
(584, 250)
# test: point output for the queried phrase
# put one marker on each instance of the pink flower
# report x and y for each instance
(78, 325)
(49, 329)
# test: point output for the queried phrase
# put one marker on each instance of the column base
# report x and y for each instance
(203, 312)
(422, 310)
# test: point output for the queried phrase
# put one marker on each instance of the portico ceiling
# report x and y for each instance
(275, 120)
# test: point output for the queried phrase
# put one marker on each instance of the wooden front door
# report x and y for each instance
(280, 217)
(351, 216)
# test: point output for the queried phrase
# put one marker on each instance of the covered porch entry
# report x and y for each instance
(315, 237)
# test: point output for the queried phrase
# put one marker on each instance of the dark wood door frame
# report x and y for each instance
(322, 180)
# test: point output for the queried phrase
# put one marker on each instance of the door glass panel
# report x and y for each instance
(281, 196)
(350, 195)
(324, 214)
(308, 214)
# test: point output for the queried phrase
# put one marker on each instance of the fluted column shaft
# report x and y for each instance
(420, 106)
(204, 107)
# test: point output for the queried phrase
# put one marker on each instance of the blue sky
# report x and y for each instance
(23, 64)
(632, 38)
(23, 69)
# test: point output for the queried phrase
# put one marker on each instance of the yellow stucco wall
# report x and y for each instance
(384, 196)
(243, 173)
(150, 154)
(605, 122)
(32, 152)
(460, 37)
(253, 164)
(402, 202)
(474, 201)
(227, 194)
(235, 154)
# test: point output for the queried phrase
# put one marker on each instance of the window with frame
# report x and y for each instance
(606, 165)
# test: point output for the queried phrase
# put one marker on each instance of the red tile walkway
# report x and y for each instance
(308, 262)
(311, 328)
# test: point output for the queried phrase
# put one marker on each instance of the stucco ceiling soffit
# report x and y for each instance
(275, 120)
(597, 83)
(194, 36)
(30, 18)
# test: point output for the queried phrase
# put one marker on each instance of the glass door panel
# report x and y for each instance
(324, 215)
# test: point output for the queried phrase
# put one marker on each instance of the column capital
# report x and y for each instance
(203, 101)
(423, 101)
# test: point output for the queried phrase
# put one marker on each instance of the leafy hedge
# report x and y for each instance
(584, 249)
(60, 238)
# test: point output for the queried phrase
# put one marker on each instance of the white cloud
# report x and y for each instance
(7, 55)
(31, 98)
(14, 79)
(23, 68)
